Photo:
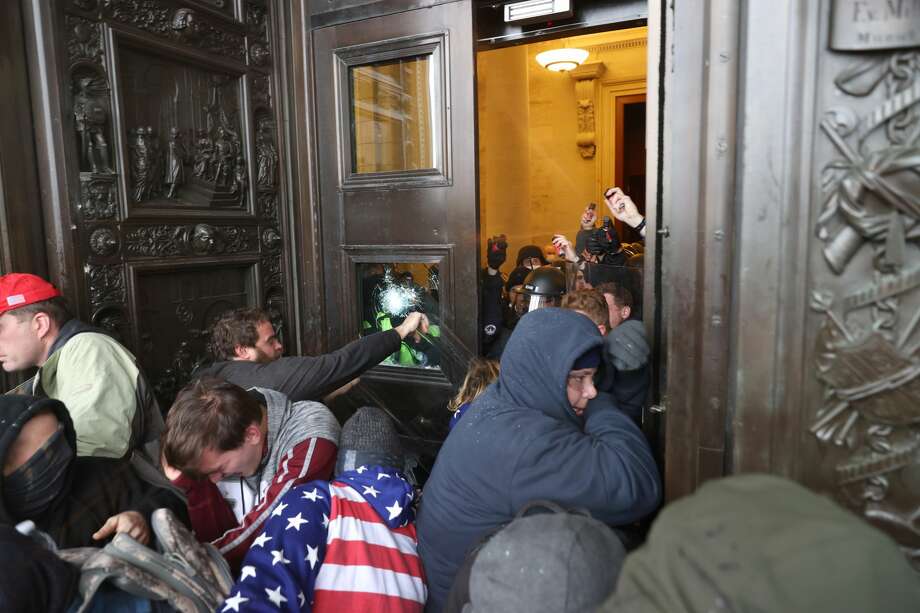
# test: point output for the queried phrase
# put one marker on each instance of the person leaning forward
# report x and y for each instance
(235, 453)
(532, 435)
(111, 404)
(248, 353)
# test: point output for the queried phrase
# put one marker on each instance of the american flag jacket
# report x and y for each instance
(345, 545)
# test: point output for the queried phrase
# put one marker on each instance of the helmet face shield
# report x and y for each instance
(534, 302)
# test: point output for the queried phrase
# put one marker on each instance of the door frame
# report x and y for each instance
(614, 95)
(690, 122)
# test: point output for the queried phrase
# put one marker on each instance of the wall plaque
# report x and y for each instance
(861, 25)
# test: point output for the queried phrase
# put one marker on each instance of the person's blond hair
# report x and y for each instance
(479, 376)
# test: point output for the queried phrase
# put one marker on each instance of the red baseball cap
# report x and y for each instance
(20, 289)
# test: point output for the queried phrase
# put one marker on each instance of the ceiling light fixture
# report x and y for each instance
(561, 60)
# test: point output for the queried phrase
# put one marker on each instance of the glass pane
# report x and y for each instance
(391, 115)
(389, 292)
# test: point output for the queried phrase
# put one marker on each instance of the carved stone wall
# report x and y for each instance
(174, 169)
(864, 285)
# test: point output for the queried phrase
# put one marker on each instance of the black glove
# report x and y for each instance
(604, 240)
(497, 251)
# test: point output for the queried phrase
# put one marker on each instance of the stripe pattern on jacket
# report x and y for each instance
(349, 545)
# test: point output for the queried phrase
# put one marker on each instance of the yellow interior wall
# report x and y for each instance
(504, 144)
(533, 182)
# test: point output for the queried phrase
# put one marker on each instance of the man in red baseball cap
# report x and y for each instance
(111, 404)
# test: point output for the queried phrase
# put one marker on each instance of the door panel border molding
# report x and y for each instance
(438, 46)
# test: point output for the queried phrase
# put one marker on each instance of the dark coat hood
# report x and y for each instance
(94, 489)
(15, 411)
(521, 441)
(537, 360)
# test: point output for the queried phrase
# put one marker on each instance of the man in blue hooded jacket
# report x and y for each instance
(529, 436)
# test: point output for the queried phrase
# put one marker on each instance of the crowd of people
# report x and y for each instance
(251, 496)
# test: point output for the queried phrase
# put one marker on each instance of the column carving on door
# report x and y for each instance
(867, 297)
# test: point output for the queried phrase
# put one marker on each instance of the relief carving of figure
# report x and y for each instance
(224, 157)
(184, 23)
(206, 239)
(175, 162)
(90, 115)
(204, 149)
(143, 164)
(241, 178)
(267, 159)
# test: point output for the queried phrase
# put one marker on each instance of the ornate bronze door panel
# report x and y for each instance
(166, 168)
(396, 133)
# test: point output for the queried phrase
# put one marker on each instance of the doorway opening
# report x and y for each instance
(551, 144)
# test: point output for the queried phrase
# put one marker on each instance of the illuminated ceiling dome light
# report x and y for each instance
(560, 60)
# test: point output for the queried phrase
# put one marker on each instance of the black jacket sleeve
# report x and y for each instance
(491, 307)
(311, 377)
(101, 488)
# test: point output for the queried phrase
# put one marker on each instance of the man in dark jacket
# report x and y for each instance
(248, 353)
(529, 436)
(78, 501)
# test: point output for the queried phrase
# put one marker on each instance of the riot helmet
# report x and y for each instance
(543, 287)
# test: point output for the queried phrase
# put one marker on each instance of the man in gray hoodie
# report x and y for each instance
(235, 453)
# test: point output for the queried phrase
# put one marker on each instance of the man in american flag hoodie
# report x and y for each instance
(344, 545)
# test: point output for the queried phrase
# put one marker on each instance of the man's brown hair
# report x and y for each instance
(238, 327)
(209, 413)
(622, 297)
(590, 302)
(56, 308)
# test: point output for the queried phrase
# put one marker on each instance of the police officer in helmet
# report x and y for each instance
(543, 287)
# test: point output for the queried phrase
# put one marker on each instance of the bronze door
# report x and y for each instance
(164, 150)
(397, 165)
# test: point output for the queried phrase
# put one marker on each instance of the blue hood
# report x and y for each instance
(537, 360)
(386, 490)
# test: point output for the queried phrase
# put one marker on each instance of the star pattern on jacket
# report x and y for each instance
(261, 540)
(370, 491)
(278, 557)
(296, 521)
(234, 602)
(283, 576)
(394, 509)
(312, 556)
(312, 495)
(275, 596)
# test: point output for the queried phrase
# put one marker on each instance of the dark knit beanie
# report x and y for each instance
(369, 438)
(531, 251)
(589, 359)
